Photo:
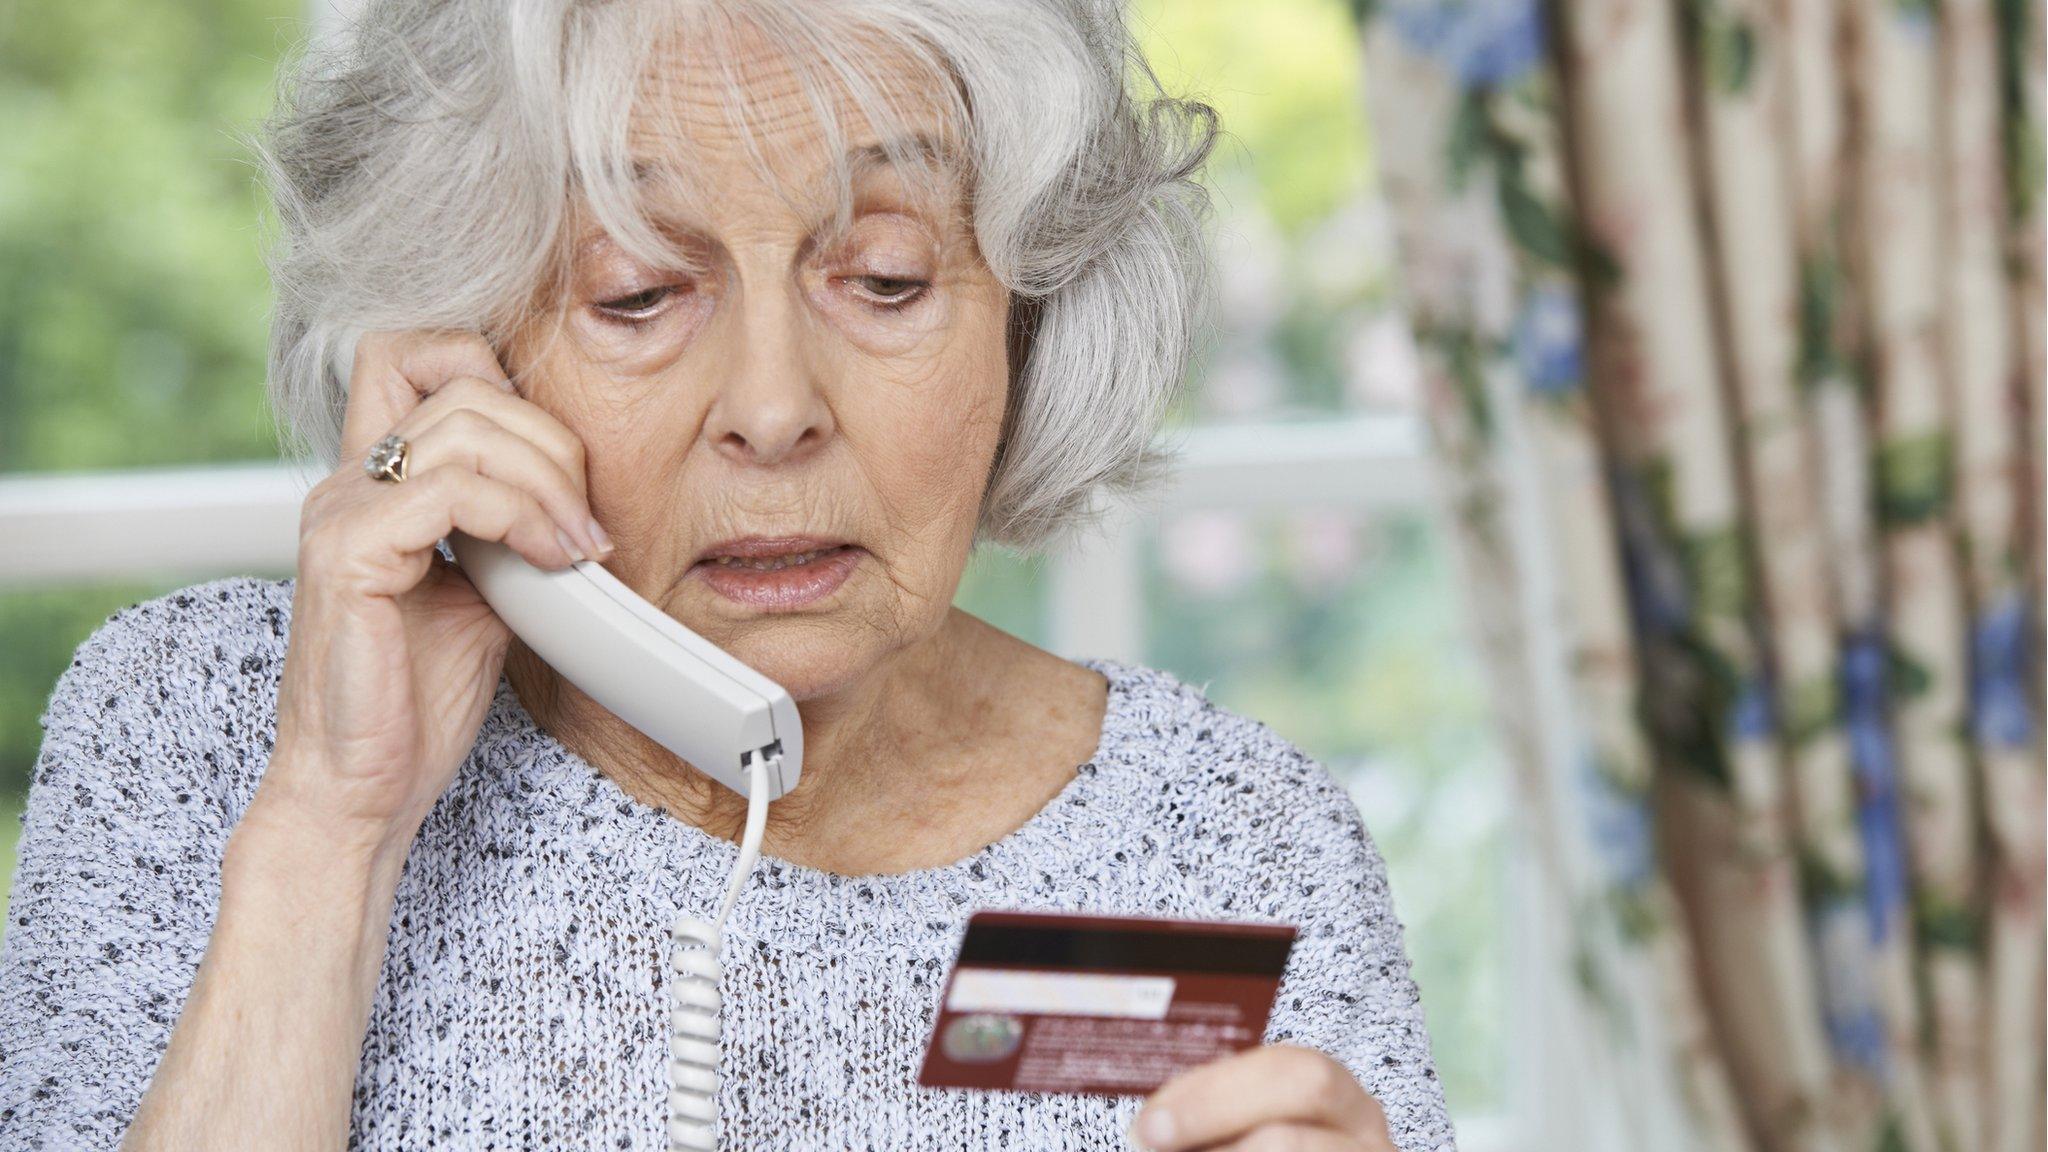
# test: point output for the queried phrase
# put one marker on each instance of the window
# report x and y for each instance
(132, 304)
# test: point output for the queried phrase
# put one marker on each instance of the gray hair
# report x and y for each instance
(426, 165)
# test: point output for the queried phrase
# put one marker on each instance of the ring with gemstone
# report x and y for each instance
(387, 459)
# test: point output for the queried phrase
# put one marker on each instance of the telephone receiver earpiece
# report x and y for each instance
(686, 693)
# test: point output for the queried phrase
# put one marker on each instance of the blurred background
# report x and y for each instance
(1394, 538)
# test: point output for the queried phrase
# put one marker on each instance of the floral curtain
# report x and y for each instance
(1730, 314)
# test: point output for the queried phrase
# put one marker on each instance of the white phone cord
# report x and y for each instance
(693, 1015)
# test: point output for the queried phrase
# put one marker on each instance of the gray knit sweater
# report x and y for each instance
(522, 1003)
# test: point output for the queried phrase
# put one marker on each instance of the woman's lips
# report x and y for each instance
(782, 588)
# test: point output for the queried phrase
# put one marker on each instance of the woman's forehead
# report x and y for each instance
(704, 98)
(824, 122)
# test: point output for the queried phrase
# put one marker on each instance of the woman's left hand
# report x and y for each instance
(1276, 1096)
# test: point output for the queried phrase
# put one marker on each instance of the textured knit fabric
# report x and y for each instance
(522, 1001)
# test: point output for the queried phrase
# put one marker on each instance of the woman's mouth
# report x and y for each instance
(783, 581)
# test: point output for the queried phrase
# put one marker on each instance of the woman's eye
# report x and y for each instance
(892, 291)
(637, 307)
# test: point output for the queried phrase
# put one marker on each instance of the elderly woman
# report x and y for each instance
(776, 310)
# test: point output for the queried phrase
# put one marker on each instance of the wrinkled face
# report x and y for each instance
(847, 385)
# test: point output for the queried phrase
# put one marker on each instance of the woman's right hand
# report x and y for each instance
(393, 657)
(391, 664)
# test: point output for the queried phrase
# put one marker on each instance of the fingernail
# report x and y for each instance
(1154, 1128)
(569, 545)
(598, 537)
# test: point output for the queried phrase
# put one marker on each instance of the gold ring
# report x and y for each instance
(387, 459)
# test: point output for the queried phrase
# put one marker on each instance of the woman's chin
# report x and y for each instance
(809, 654)
(805, 668)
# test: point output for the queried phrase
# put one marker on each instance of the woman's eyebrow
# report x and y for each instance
(860, 159)
(929, 148)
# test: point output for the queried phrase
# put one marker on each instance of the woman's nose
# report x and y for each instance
(769, 406)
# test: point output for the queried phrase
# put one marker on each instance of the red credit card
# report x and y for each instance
(1110, 1005)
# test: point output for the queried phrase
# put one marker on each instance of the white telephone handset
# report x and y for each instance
(694, 699)
(686, 693)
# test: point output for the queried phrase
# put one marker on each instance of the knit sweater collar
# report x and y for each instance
(576, 809)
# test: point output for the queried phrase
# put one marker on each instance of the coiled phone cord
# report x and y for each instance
(694, 1002)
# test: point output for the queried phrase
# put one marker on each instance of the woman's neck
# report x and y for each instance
(876, 751)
